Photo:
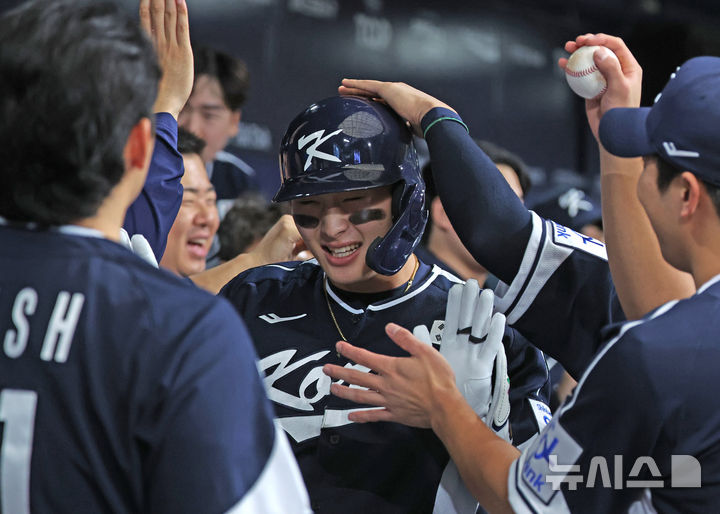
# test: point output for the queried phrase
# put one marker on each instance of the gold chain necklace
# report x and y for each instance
(412, 277)
(332, 313)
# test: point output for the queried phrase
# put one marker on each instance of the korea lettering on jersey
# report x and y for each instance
(293, 347)
(314, 386)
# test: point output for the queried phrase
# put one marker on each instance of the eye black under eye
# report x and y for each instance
(366, 216)
(305, 221)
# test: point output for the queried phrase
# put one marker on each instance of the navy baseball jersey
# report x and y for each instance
(124, 389)
(650, 379)
(348, 467)
(562, 295)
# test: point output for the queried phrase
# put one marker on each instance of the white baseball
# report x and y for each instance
(582, 75)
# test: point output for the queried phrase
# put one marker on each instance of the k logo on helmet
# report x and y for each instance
(312, 151)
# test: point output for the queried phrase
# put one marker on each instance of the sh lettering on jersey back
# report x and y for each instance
(59, 331)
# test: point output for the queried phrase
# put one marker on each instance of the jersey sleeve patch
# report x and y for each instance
(564, 236)
(542, 466)
(542, 413)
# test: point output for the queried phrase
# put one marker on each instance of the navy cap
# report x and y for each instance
(682, 127)
(569, 206)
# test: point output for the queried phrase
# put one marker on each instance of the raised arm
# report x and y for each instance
(154, 211)
(166, 24)
(491, 221)
(643, 279)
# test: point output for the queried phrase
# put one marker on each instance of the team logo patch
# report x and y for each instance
(564, 236)
(553, 441)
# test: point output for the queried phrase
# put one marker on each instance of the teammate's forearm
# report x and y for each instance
(482, 458)
(643, 279)
(491, 221)
(214, 279)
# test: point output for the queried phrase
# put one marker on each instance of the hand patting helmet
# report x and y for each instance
(348, 143)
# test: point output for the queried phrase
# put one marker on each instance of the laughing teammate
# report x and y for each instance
(197, 221)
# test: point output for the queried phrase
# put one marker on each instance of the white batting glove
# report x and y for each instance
(452, 496)
(472, 344)
(138, 245)
(423, 334)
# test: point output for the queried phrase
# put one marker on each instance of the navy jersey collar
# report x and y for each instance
(72, 230)
(357, 303)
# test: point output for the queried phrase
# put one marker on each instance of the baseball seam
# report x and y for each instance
(581, 73)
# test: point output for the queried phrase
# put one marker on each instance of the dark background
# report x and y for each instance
(493, 61)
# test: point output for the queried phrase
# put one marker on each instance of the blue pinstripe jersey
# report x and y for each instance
(377, 467)
(639, 433)
(124, 389)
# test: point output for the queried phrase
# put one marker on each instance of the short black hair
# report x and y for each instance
(498, 155)
(230, 72)
(667, 172)
(249, 219)
(77, 76)
(189, 143)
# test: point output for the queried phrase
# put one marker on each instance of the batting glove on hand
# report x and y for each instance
(139, 246)
(472, 344)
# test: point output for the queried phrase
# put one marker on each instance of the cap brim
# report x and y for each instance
(623, 132)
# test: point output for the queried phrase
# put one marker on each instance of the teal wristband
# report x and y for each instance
(445, 118)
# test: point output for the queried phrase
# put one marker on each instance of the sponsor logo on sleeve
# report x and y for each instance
(553, 442)
(564, 236)
(552, 461)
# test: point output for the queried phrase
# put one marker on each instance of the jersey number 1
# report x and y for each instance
(17, 413)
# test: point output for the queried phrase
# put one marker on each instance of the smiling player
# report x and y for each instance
(351, 175)
(197, 221)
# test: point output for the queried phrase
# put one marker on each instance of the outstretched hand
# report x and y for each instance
(409, 103)
(624, 78)
(409, 389)
(166, 24)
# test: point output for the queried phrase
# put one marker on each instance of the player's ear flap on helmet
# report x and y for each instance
(347, 143)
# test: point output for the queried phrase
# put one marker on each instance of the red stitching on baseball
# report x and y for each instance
(602, 92)
(581, 73)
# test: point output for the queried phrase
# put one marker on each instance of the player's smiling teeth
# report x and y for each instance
(344, 251)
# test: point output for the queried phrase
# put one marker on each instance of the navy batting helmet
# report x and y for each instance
(347, 143)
